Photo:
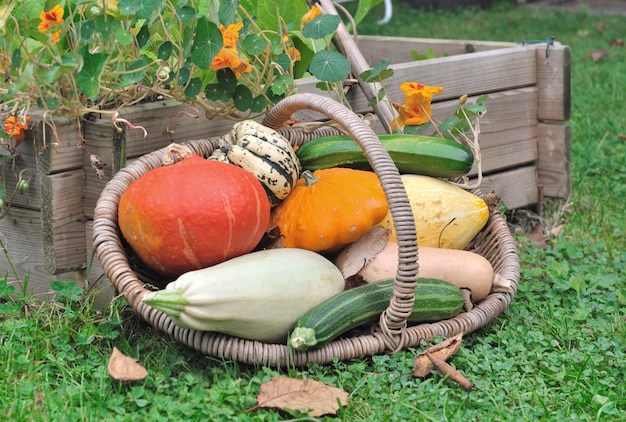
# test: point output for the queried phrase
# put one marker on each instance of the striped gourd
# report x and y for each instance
(263, 152)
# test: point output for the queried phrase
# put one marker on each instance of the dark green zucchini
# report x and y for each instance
(416, 154)
(435, 300)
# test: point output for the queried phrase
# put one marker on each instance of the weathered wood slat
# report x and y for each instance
(555, 159)
(508, 130)
(59, 144)
(516, 188)
(168, 122)
(553, 81)
(63, 222)
(472, 74)
(399, 49)
(20, 231)
(26, 160)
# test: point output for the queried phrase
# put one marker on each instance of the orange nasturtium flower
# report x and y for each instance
(228, 56)
(15, 128)
(313, 12)
(294, 53)
(51, 18)
(416, 109)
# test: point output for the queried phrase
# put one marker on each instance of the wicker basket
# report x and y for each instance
(391, 333)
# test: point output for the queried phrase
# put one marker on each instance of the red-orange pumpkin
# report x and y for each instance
(193, 214)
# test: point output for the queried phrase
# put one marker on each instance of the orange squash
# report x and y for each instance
(330, 208)
(193, 214)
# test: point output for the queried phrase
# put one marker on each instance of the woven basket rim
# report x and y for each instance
(495, 241)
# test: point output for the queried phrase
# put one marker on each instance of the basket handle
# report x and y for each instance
(393, 320)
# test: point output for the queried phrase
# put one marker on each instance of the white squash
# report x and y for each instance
(258, 296)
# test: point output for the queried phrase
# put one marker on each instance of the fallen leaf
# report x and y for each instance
(601, 26)
(308, 396)
(452, 373)
(617, 42)
(361, 252)
(97, 165)
(124, 368)
(423, 365)
(556, 230)
(500, 284)
(597, 55)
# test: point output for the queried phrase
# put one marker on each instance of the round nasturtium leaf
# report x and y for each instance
(329, 66)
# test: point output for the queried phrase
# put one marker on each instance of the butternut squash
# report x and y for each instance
(462, 268)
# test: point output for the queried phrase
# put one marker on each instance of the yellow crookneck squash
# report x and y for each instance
(330, 208)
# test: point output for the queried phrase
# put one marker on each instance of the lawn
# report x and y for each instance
(557, 353)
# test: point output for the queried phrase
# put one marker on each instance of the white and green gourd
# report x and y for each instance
(263, 152)
(257, 296)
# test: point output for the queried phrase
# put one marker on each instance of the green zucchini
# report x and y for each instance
(435, 300)
(416, 154)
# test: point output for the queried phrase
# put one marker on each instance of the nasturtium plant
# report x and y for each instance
(82, 56)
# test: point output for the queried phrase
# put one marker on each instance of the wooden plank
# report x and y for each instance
(376, 48)
(508, 149)
(555, 159)
(59, 141)
(108, 146)
(505, 109)
(20, 232)
(168, 121)
(25, 162)
(508, 130)
(554, 82)
(62, 221)
(516, 188)
(472, 74)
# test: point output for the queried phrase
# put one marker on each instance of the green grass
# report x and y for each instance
(558, 353)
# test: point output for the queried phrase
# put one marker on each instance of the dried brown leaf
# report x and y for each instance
(617, 42)
(597, 55)
(556, 230)
(600, 26)
(423, 365)
(361, 252)
(124, 368)
(453, 374)
(500, 284)
(97, 165)
(309, 396)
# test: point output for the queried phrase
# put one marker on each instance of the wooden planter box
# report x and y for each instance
(524, 138)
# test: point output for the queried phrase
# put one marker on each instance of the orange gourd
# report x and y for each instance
(193, 214)
(330, 208)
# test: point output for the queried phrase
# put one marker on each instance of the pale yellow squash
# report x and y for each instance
(446, 216)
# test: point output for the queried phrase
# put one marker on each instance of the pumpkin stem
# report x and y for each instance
(176, 152)
(309, 178)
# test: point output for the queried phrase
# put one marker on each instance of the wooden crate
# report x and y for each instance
(524, 137)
